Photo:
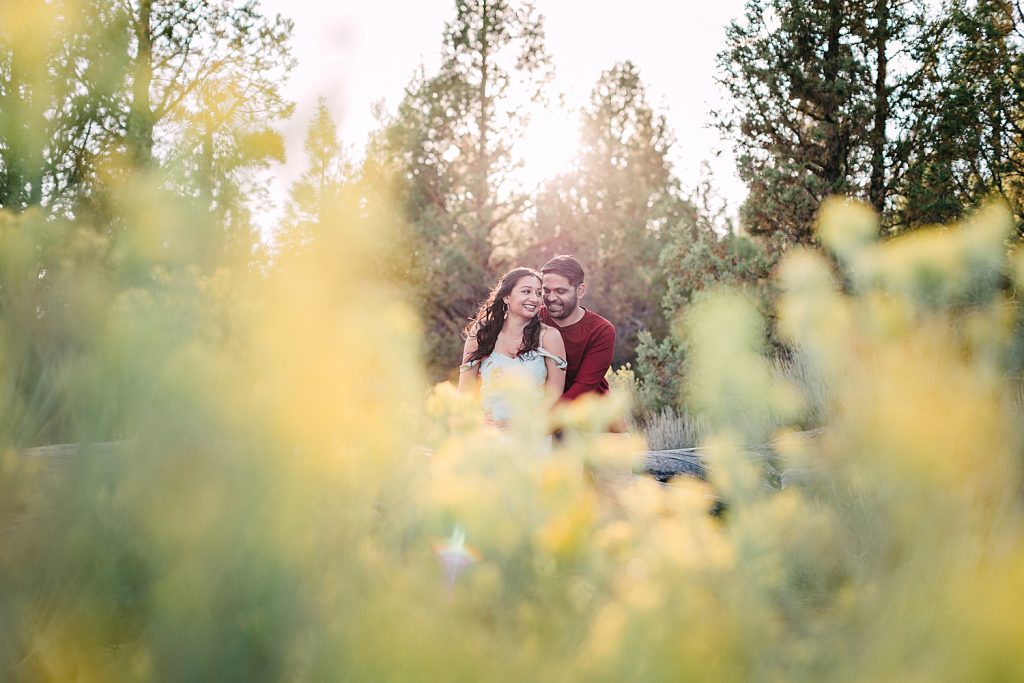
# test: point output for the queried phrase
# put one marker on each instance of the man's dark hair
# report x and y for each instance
(567, 267)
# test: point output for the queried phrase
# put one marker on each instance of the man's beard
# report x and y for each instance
(563, 312)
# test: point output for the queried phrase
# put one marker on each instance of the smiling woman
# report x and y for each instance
(547, 147)
(509, 352)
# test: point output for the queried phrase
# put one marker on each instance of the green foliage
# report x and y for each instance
(798, 112)
(270, 512)
(821, 102)
(729, 378)
(449, 151)
(660, 373)
(286, 500)
(62, 70)
(212, 101)
(695, 259)
(965, 143)
(181, 86)
(911, 106)
(312, 196)
(615, 208)
(215, 74)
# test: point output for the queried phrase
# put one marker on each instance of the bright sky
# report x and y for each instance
(357, 53)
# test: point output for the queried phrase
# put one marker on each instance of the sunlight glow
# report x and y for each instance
(548, 146)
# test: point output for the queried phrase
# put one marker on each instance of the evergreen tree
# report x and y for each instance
(320, 185)
(62, 69)
(161, 81)
(450, 148)
(817, 107)
(203, 97)
(702, 251)
(967, 141)
(187, 56)
(890, 28)
(614, 208)
(799, 111)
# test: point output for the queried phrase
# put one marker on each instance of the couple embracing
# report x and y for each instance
(533, 329)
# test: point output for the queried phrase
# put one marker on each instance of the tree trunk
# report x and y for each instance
(22, 157)
(1004, 25)
(877, 189)
(483, 123)
(832, 171)
(140, 117)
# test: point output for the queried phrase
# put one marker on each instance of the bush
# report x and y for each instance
(284, 504)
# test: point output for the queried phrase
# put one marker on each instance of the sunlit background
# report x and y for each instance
(548, 146)
(357, 56)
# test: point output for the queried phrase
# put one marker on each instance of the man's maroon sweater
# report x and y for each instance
(589, 345)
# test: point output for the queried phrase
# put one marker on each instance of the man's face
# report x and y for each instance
(560, 296)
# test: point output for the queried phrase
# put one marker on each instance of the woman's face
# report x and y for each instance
(525, 298)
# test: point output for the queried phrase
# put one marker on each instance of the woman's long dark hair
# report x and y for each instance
(486, 324)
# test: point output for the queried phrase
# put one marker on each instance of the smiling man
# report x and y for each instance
(589, 338)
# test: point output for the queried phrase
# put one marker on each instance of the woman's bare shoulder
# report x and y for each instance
(552, 340)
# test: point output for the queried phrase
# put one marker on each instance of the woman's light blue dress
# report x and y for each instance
(498, 371)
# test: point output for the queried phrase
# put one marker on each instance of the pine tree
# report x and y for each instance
(451, 149)
(702, 251)
(319, 188)
(614, 208)
(799, 111)
(818, 108)
(967, 145)
(189, 87)
(188, 56)
(62, 69)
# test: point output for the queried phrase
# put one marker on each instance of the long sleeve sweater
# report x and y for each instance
(589, 346)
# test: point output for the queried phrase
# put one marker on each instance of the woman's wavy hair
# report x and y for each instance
(486, 324)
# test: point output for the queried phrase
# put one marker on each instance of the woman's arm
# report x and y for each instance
(468, 379)
(555, 383)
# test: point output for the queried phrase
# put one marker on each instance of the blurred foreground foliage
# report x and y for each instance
(268, 489)
(284, 504)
